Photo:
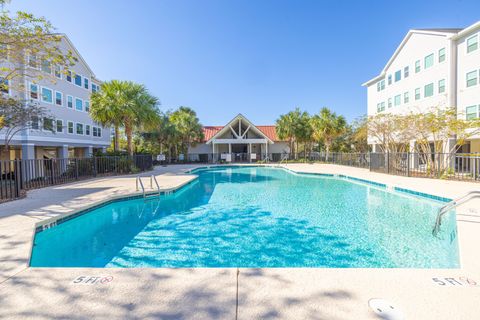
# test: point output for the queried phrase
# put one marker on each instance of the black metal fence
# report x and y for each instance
(460, 166)
(18, 176)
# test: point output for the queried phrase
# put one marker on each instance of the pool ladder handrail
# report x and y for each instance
(284, 158)
(152, 179)
(451, 205)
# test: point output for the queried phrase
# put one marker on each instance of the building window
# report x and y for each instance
(70, 127)
(47, 124)
(58, 72)
(34, 123)
(428, 90)
(406, 98)
(69, 76)
(95, 88)
(79, 129)
(417, 94)
(417, 66)
(406, 72)
(58, 98)
(389, 79)
(471, 113)
(428, 61)
(397, 100)
(472, 79)
(97, 132)
(78, 104)
(441, 86)
(78, 80)
(398, 75)
(59, 126)
(85, 83)
(87, 129)
(380, 85)
(87, 106)
(47, 95)
(46, 66)
(441, 55)
(389, 102)
(34, 91)
(472, 43)
(70, 102)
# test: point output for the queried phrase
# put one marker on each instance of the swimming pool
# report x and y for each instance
(256, 217)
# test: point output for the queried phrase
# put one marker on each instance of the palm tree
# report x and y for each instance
(141, 111)
(326, 127)
(124, 104)
(106, 107)
(187, 127)
(293, 127)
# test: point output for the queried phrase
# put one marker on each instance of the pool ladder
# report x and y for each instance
(451, 205)
(139, 183)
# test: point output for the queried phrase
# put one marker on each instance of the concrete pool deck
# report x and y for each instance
(282, 293)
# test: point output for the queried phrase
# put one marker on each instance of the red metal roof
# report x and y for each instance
(269, 131)
(210, 131)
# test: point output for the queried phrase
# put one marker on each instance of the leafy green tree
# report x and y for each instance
(187, 127)
(24, 35)
(18, 116)
(124, 104)
(294, 128)
(326, 127)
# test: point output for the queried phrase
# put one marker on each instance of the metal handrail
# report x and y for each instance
(449, 206)
(139, 182)
(152, 179)
(156, 182)
(284, 158)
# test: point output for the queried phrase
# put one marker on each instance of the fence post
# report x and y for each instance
(17, 178)
(408, 164)
(95, 166)
(76, 169)
(369, 161)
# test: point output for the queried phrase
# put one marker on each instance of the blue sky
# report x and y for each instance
(260, 58)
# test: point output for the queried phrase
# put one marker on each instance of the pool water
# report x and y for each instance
(256, 217)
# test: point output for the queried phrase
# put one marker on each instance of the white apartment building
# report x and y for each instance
(69, 130)
(431, 68)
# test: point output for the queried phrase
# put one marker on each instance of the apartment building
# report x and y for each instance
(431, 68)
(68, 131)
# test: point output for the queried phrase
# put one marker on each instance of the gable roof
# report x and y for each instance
(435, 32)
(77, 53)
(268, 130)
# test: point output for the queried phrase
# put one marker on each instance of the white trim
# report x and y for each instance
(229, 126)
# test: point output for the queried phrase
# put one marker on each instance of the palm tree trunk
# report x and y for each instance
(128, 132)
(116, 146)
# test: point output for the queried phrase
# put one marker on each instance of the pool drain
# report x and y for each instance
(385, 309)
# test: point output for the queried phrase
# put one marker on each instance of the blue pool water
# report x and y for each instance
(256, 217)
